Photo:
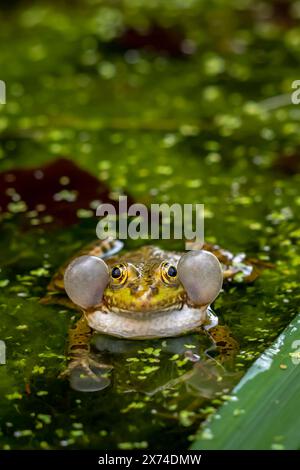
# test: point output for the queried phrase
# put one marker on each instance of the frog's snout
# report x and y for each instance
(143, 291)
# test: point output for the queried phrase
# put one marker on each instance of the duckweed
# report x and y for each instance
(202, 120)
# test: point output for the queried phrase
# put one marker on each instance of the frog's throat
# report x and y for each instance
(141, 326)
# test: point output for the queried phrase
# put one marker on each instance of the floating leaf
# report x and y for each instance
(263, 406)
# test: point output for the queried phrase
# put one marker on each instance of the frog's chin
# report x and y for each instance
(142, 326)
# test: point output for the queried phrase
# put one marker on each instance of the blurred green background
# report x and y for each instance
(167, 101)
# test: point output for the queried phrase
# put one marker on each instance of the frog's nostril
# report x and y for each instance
(137, 291)
(154, 290)
(134, 289)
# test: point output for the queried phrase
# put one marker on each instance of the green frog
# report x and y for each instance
(142, 294)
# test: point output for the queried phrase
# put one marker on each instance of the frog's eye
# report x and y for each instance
(85, 280)
(168, 273)
(119, 274)
(201, 275)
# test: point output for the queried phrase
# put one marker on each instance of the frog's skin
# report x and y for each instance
(145, 304)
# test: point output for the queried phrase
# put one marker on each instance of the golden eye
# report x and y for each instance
(168, 273)
(119, 274)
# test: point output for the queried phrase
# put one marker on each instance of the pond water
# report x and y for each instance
(194, 121)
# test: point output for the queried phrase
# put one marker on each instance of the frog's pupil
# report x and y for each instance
(172, 271)
(116, 273)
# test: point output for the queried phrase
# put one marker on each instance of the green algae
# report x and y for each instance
(198, 127)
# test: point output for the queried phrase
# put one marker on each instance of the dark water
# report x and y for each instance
(162, 126)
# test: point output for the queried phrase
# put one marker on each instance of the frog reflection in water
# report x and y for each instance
(142, 294)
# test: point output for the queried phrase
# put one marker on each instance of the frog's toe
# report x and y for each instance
(100, 365)
(221, 352)
(87, 375)
(89, 380)
(212, 352)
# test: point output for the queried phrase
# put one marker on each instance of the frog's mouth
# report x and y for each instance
(141, 310)
(138, 325)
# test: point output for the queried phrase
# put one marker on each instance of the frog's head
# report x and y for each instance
(150, 285)
(145, 281)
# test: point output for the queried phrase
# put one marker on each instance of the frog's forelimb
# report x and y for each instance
(79, 355)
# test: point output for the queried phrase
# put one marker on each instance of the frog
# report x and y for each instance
(145, 293)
